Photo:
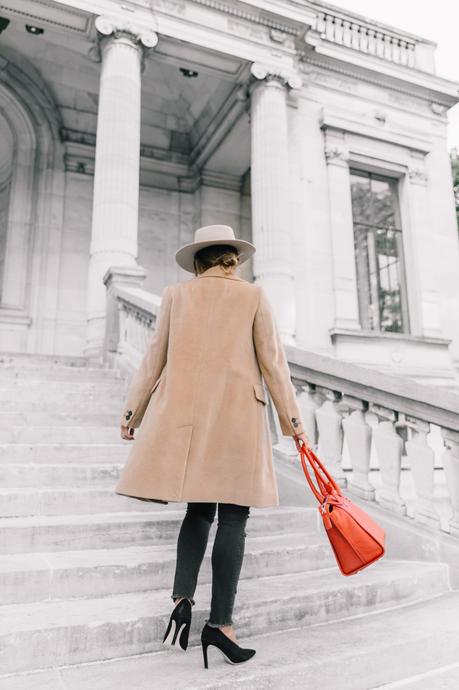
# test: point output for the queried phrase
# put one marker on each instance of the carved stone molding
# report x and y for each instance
(438, 108)
(358, 76)
(417, 175)
(336, 155)
(283, 24)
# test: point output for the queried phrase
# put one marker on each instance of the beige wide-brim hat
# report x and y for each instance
(208, 235)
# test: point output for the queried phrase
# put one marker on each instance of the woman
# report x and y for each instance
(205, 436)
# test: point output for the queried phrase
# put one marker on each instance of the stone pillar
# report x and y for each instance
(342, 231)
(269, 174)
(117, 163)
(422, 283)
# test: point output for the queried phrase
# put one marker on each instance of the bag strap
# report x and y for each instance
(327, 485)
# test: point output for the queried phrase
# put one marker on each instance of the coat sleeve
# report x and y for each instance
(274, 367)
(151, 365)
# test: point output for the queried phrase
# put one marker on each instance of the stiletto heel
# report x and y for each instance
(204, 653)
(181, 618)
(232, 653)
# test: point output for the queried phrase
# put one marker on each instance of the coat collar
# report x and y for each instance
(218, 272)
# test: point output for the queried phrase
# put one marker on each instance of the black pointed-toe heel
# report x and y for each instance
(179, 625)
(232, 653)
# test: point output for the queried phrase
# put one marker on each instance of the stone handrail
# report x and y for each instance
(336, 399)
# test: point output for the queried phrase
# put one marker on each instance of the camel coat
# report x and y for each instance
(200, 401)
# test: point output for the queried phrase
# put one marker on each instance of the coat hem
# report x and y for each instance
(199, 500)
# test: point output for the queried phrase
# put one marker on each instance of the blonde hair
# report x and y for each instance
(216, 255)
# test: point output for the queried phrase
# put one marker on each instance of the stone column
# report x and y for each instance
(117, 163)
(269, 174)
(422, 282)
(342, 231)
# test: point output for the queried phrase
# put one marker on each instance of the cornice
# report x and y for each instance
(365, 74)
(262, 17)
(51, 14)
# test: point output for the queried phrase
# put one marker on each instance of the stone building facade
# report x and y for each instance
(315, 133)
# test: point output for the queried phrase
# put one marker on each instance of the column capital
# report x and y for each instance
(107, 26)
(268, 73)
(119, 28)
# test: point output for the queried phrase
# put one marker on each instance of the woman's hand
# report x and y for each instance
(304, 440)
(127, 433)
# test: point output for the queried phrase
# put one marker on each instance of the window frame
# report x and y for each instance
(394, 181)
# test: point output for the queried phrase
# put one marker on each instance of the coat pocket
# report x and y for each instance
(259, 392)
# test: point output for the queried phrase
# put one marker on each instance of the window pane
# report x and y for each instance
(361, 198)
(382, 204)
(378, 253)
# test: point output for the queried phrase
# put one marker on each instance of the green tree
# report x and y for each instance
(454, 157)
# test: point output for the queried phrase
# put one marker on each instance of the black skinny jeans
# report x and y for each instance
(227, 555)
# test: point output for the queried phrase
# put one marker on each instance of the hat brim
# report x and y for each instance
(185, 255)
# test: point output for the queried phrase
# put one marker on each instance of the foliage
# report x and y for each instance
(454, 157)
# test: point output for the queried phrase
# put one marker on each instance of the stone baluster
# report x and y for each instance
(388, 47)
(372, 41)
(329, 28)
(396, 50)
(403, 52)
(364, 47)
(347, 33)
(379, 44)
(308, 403)
(451, 464)
(355, 36)
(389, 447)
(271, 203)
(358, 439)
(337, 30)
(321, 23)
(421, 458)
(329, 424)
(117, 164)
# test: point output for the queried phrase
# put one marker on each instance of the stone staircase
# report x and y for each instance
(86, 575)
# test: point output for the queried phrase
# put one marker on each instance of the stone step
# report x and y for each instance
(25, 359)
(67, 406)
(50, 389)
(96, 414)
(114, 530)
(98, 572)
(54, 633)
(117, 451)
(57, 373)
(363, 652)
(60, 434)
(53, 475)
(62, 500)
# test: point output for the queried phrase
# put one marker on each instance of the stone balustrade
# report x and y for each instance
(380, 416)
(367, 38)
(338, 399)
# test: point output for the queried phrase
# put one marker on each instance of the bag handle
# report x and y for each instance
(327, 485)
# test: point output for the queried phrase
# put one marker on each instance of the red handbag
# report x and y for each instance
(356, 539)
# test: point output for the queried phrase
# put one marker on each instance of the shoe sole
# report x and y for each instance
(167, 642)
